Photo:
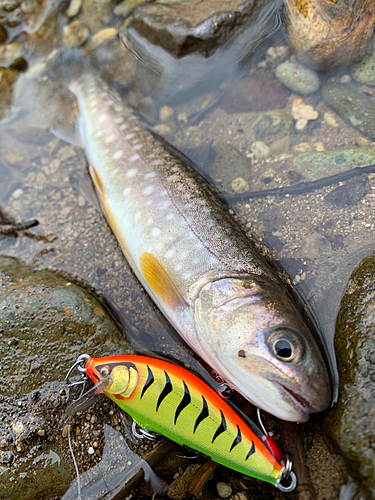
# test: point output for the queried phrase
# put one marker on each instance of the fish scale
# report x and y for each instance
(195, 261)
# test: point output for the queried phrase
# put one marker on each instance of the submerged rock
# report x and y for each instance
(352, 192)
(227, 163)
(352, 106)
(352, 423)
(46, 322)
(298, 78)
(317, 164)
(364, 71)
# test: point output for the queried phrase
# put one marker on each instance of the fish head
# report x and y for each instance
(123, 373)
(257, 340)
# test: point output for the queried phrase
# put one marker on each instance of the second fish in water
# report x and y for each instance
(196, 263)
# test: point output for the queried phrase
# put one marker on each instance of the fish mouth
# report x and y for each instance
(298, 402)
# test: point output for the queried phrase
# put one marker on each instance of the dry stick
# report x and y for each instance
(302, 187)
(292, 443)
(201, 478)
(152, 458)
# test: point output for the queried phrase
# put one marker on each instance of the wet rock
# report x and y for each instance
(227, 163)
(54, 321)
(96, 14)
(297, 78)
(126, 7)
(269, 127)
(192, 26)
(352, 106)
(260, 149)
(364, 71)
(74, 8)
(179, 488)
(351, 423)
(317, 164)
(259, 92)
(224, 490)
(352, 192)
(11, 55)
(7, 80)
(313, 246)
(75, 34)
(239, 185)
(328, 35)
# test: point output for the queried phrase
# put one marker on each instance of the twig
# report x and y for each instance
(201, 478)
(302, 187)
(292, 443)
(16, 228)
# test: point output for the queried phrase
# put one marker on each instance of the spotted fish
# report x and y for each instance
(164, 398)
(196, 263)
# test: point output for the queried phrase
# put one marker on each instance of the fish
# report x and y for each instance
(166, 399)
(194, 259)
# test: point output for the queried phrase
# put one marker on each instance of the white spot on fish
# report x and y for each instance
(148, 202)
(137, 216)
(150, 222)
(118, 108)
(172, 178)
(131, 172)
(165, 204)
(118, 154)
(118, 119)
(170, 253)
(170, 216)
(127, 190)
(99, 133)
(110, 138)
(155, 231)
(148, 190)
(149, 175)
(134, 157)
(178, 267)
(102, 118)
(115, 171)
(137, 147)
(156, 162)
(124, 126)
(128, 136)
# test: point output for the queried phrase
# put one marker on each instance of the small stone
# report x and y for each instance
(239, 185)
(162, 129)
(101, 37)
(19, 446)
(41, 432)
(75, 34)
(300, 125)
(165, 113)
(81, 201)
(65, 430)
(91, 450)
(303, 147)
(17, 193)
(10, 54)
(17, 160)
(297, 78)
(240, 496)
(319, 146)
(224, 489)
(281, 145)
(330, 120)
(301, 110)
(182, 117)
(345, 79)
(6, 457)
(260, 149)
(3, 443)
(364, 71)
(18, 427)
(362, 142)
(74, 8)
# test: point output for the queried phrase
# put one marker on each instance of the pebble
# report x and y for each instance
(364, 71)
(303, 147)
(330, 120)
(75, 34)
(17, 193)
(300, 125)
(362, 142)
(260, 149)
(91, 450)
(300, 110)
(101, 37)
(240, 185)
(162, 129)
(319, 146)
(41, 432)
(74, 8)
(297, 77)
(240, 496)
(65, 430)
(224, 489)
(6, 457)
(345, 79)
(18, 427)
(165, 113)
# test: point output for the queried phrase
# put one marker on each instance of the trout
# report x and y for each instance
(195, 261)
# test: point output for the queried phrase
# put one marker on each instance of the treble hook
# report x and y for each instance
(80, 366)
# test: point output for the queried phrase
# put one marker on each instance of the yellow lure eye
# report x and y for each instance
(104, 371)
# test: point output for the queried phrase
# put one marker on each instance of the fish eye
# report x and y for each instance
(286, 344)
(104, 371)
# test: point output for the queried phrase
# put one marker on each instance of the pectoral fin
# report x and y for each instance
(159, 281)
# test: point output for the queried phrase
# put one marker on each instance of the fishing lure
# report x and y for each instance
(166, 399)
